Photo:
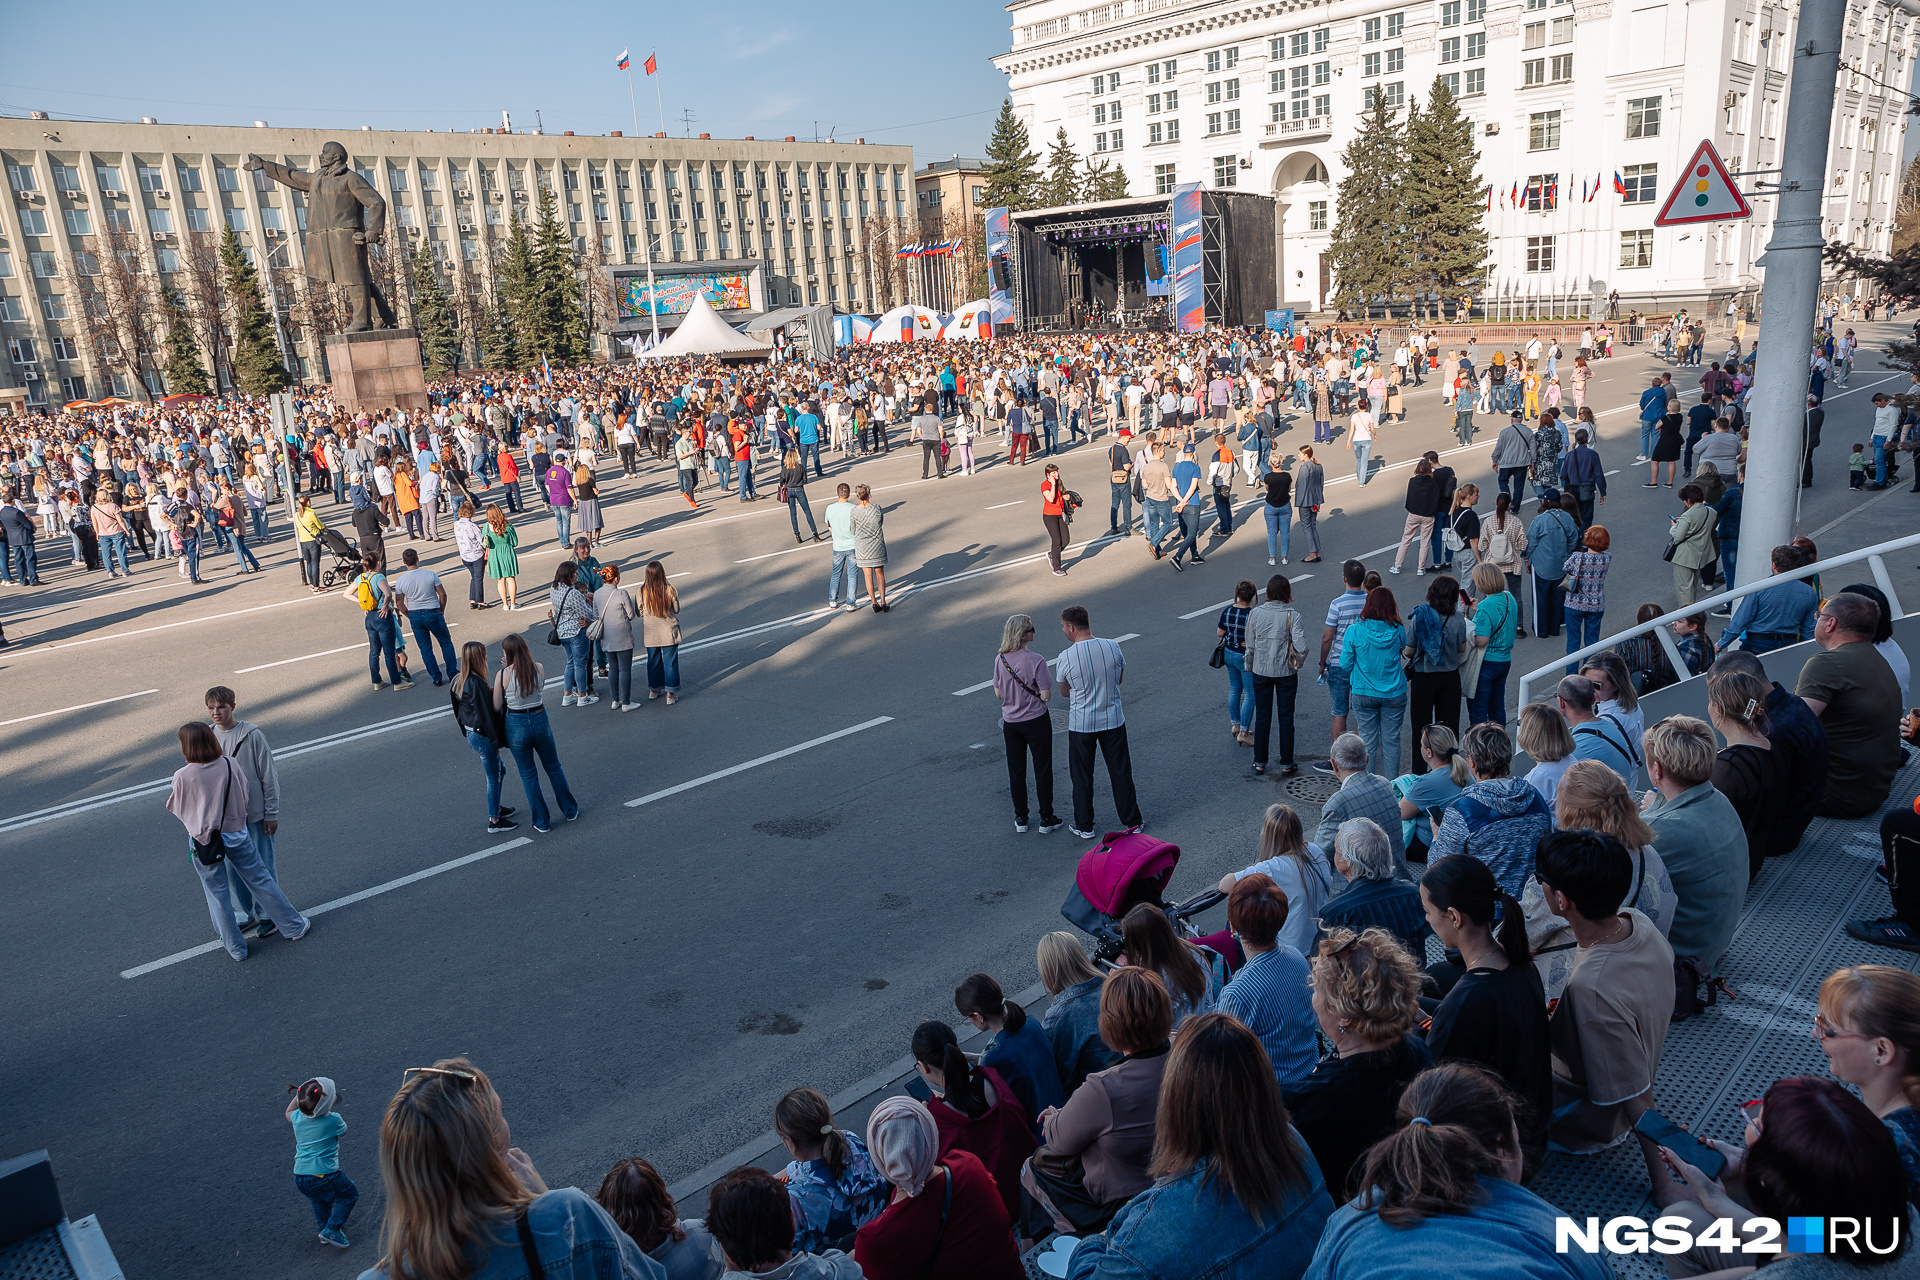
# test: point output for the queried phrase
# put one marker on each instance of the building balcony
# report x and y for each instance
(1285, 133)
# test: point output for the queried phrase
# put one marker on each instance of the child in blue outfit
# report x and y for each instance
(316, 1157)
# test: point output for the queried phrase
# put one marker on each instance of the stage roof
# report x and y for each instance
(1118, 208)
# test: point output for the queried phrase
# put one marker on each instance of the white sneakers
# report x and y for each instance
(566, 699)
(585, 699)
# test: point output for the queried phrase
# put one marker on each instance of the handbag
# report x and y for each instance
(553, 627)
(1219, 658)
(212, 851)
(780, 494)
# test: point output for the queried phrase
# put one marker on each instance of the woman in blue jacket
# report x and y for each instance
(1018, 1049)
(1370, 655)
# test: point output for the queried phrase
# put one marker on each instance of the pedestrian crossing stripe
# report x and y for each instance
(1704, 193)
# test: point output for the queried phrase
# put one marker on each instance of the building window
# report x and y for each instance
(1370, 64)
(1099, 84)
(169, 261)
(1370, 30)
(1153, 104)
(1153, 73)
(1213, 92)
(1643, 117)
(1533, 36)
(1543, 192)
(1539, 253)
(237, 218)
(54, 307)
(1640, 181)
(1114, 140)
(6, 266)
(1367, 96)
(1450, 49)
(1450, 13)
(1562, 31)
(150, 179)
(159, 221)
(1533, 71)
(1543, 131)
(1322, 73)
(1636, 248)
(10, 309)
(189, 178)
(1233, 121)
(22, 350)
(1213, 61)
(1396, 23)
(73, 388)
(1099, 142)
(1323, 40)
(78, 223)
(1233, 57)
(1297, 45)
(198, 219)
(1233, 91)
(63, 346)
(66, 178)
(1154, 134)
(1563, 69)
(1226, 171)
(1476, 46)
(1452, 80)
(1316, 215)
(1113, 114)
(1476, 10)
(33, 221)
(1476, 85)
(1396, 61)
(21, 177)
(108, 176)
(1397, 94)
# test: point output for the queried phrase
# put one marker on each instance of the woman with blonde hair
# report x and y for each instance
(660, 632)
(1869, 1028)
(465, 1204)
(503, 559)
(1425, 794)
(1024, 686)
(1303, 871)
(1543, 734)
(1072, 1019)
(586, 505)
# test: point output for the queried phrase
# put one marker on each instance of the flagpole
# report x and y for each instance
(658, 98)
(631, 100)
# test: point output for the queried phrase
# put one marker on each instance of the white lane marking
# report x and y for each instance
(686, 574)
(757, 761)
(82, 707)
(1614, 472)
(1209, 609)
(988, 684)
(1854, 511)
(808, 545)
(1014, 503)
(165, 626)
(324, 653)
(204, 948)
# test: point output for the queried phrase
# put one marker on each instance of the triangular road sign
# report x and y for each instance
(1705, 193)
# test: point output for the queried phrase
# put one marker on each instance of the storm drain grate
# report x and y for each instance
(1312, 787)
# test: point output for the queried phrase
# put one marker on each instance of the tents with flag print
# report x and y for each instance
(907, 324)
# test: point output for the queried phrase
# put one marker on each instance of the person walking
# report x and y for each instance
(1024, 687)
(1691, 543)
(1053, 514)
(1276, 644)
(1186, 508)
(1503, 544)
(519, 689)
(1089, 673)
(209, 796)
(1495, 624)
(1364, 424)
(483, 727)
(502, 541)
(793, 491)
(1438, 644)
(472, 546)
(1120, 465)
(559, 488)
(660, 632)
(247, 747)
(870, 546)
(1309, 492)
(1551, 538)
(587, 519)
(1220, 472)
(614, 608)
(1583, 475)
(1422, 505)
(110, 526)
(1370, 653)
(569, 611)
(1460, 533)
(1513, 458)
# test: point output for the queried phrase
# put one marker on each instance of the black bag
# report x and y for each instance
(213, 852)
(1219, 658)
(1668, 553)
(1689, 977)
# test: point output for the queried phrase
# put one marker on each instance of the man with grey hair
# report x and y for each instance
(1853, 690)
(1375, 894)
(1361, 795)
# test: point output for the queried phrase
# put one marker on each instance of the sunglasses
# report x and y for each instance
(407, 1075)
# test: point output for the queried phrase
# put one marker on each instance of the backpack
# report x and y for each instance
(1499, 545)
(1689, 976)
(363, 591)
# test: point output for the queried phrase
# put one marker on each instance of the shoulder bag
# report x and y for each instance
(940, 1236)
(527, 1250)
(553, 624)
(212, 851)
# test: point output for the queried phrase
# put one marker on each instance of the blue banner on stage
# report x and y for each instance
(1189, 307)
(1281, 322)
(999, 238)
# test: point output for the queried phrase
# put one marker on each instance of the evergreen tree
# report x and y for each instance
(256, 357)
(1013, 170)
(433, 319)
(185, 374)
(562, 324)
(1906, 209)
(1368, 247)
(498, 347)
(1061, 186)
(1446, 201)
(517, 277)
(1102, 181)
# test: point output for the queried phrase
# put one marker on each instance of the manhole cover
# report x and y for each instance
(795, 828)
(1313, 787)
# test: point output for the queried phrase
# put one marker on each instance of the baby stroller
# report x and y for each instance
(1124, 870)
(346, 560)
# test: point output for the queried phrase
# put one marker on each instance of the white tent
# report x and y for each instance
(704, 333)
(907, 324)
(973, 320)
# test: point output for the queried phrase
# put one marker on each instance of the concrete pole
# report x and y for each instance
(1791, 292)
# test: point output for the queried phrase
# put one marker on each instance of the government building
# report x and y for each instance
(1566, 96)
(92, 209)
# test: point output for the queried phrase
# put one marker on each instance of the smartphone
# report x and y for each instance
(1683, 1144)
(918, 1088)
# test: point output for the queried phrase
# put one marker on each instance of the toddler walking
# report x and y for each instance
(316, 1157)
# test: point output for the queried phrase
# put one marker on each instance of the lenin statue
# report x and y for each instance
(344, 215)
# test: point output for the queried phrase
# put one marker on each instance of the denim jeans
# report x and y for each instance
(241, 554)
(1647, 431)
(620, 675)
(259, 517)
(28, 562)
(663, 668)
(243, 902)
(427, 624)
(843, 560)
(1583, 629)
(1279, 529)
(746, 480)
(243, 861)
(1239, 690)
(1190, 518)
(1158, 519)
(563, 524)
(811, 449)
(190, 557)
(1513, 482)
(529, 735)
(1488, 701)
(114, 546)
(492, 766)
(1549, 603)
(1120, 508)
(332, 1195)
(579, 675)
(511, 491)
(381, 630)
(1362, 451)
(1379, 728)
(476, 581)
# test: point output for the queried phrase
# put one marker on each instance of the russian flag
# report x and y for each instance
(624, 62)
(1489, 199)
(1619, 187)
(1516, 195)
(1596, 187)
(1583, 191)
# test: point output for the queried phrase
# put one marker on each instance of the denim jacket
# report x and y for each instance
(575, 1238)
(1189, 1227)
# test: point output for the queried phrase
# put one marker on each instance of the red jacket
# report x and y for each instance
(1001, 1138)
(978, 1244)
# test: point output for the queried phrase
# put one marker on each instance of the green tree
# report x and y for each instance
(1102, 181)
(1369, 253)
(1013, 169)
(562, 322)
(517, 277)
(185, 374)
(1446, 201)
(499, 348)
(256, 357)
(433, 319)
(1061, 186)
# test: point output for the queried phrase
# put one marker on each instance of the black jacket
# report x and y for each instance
(473, 712)
(1423, 496)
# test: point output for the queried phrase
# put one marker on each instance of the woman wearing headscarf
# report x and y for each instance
(946, 1220)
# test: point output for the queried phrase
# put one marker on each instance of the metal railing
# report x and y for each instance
(1658, 627)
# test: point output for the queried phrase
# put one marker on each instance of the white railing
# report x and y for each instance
(1305, 124)
(1658, 627)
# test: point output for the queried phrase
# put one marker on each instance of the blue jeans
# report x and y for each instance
(579, 677)
(1279, 529)
(29, 564)
(1159, 516)
(843, 560)
(1647, 430)
(241, 554)
(1379, 728)
(1239, 690)
(333, 1196)
(259, 517)
(663, 668)
(811, 449)
(113, 546)
(190, 552)
(243, 862)
(243, 902)
(1362, 451)
(563, 524)
(1189, 532)
(427, 624)
(1583, 629)
(1049, 428)
(1120, 509)
(529, 735)
(726, 472)
(380, 635)
(511, 491)
(1489, 699)
(746, 480)
(1880, 459)
(492, 766)
(1729, 556)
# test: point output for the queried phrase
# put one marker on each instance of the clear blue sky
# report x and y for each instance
(897, 74)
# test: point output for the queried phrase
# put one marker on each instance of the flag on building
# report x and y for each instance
(1596, 187)
(624, 62)
(652, 63)
(1489, 199)
(1516, 195)
(1619, 187)
(1583, 191)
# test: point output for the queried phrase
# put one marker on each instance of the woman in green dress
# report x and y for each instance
(503, 562)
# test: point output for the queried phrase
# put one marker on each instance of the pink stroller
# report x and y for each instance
(1124, 870)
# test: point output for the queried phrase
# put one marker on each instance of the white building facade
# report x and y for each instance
(1562, 93)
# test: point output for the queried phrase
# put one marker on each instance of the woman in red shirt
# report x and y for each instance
(946, 1221)
(1053, 514)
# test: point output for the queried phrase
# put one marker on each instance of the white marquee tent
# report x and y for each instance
(907, 324)
(973, 320)
(704, 333)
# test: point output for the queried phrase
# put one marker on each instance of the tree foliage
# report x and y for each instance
(184, 372)
(256, 357)
(1102, 181)
(1906, 209)
(433, 319)
(1369, 249)
(1013, 169)
(563, 320)
(1445, 199)
(499, 348)
(517, 279)
(1898, 275)
(1062, 183)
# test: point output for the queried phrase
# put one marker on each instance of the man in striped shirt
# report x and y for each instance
(1089, 674)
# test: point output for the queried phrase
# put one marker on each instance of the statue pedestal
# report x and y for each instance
(378, 369)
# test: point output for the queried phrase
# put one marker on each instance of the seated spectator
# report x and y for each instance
(1017, 1048)
(1423, 795)
(1361, 795)
(1617, 700)
(1098, 1146)
(748, 1215)
(946, 1221)
(1812, 1150)
(1777, 616)
(635, 1194)
(1498, 818)
(450, 1187)
(1699, 837)
(1900, 849)
(831, 1180)
(1366, 993)
(1373, 897)
(1302, 871)
(1495, 1013)
(1869, 1027)
(1643, 657)
(1883, 641)
(1596, 737)
(1800, 742)
(1746, 771)
(1444, 1183)
(1270, 992)
(1608, 1029)
(1237, 1193)
(1857, 697)
(1072, 1019)
(975, 1109)
(1192, 974)
(1544, 736)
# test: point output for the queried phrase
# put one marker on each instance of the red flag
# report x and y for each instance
(651, 64)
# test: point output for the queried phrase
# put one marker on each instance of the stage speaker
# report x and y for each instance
(1156, 262)
(1002, 270)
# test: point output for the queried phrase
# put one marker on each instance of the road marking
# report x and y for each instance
(1614, 472)
(1854, 511)
(1014, 503)
(757, 761)
(988, 684)
(324, 653)
(205, 948)
(165, 626)
(808, 545)
(686, 574)
(1187, 617)
(82, 707)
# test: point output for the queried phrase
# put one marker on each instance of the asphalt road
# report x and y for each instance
(822, 849)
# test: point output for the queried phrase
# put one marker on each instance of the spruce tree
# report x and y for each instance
(563, 324)
(1368, 246)
(517, 277)
(185, 374)
(256, 357)
(1446, 201)
(498, 348)
(1102, 181)
(1062, 183)
(433, 320)
(1012, 170)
